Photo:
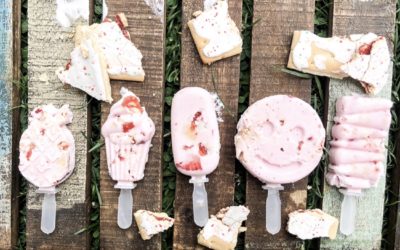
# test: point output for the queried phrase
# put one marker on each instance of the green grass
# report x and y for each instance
(172, 75)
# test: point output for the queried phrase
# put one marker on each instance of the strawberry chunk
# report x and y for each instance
(190, 166)
(29, 152)
(365, 49)
(195, 118)
(63, 145)
(132, 102)
(127, 126)
(202, 149)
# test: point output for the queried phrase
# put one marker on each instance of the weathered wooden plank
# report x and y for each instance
(349, 17)
(221, 185)
(147, 32)
(49, 48)
(270, 49)
(9, 122)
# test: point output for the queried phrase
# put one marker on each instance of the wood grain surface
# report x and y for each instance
(148, 33)
(354, 17)
(220, 187)
(270, 51)
(49, 48)
(9, 122)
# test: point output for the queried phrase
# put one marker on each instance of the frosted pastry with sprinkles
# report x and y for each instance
(364, 57)
(128, 132)
(152, 223)
(215, 34)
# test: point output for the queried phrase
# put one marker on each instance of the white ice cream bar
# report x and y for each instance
(47, 147)
(128, 132)
(195, 133)
(280, 139)
(365, 57)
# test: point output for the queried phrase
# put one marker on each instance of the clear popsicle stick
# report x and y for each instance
(49, 210)
(125, 205)
(273, 208)
(200, 200)
(348, 212)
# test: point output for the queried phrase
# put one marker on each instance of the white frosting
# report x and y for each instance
(68, 11)
(319, 62)
(85, 72)
(208, 4)
(122, 57)
(371, 69)
(341, 48)
(157, 6)
(226, 224)
(105, 10)
(310, 224)
(215, 25)
(153, 223)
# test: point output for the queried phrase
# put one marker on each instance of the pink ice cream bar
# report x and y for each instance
(357, 150)
(47, 155)
(128, 131)
(195, 142)
(280, 140)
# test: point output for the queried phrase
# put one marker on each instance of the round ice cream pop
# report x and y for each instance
(47, 156)
(357, 150)
(195, 142)
(280, 140)
(128, 132)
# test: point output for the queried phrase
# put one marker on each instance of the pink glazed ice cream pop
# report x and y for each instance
(128, 132)
(47, 156)
(195, 142)
(280, 140)
(357, 150)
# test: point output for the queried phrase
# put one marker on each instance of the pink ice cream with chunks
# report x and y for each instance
(358, 142)
(280, 139)
(194, 131)
(47, 147)
(128, 131)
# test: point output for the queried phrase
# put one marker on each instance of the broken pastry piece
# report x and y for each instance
(124, 60)
(221, 230)
(151, 223)
(215, 34)
(309, 224)
(87, 71)
(362, 57)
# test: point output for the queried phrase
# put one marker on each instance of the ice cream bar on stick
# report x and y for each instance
(280, 140)
(357, 150)
(128, 131)
(363, 57)
(195, 142)
(47, 156)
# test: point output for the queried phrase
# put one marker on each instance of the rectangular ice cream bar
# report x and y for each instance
(358, 142)
(195, 133)
(363, 57)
